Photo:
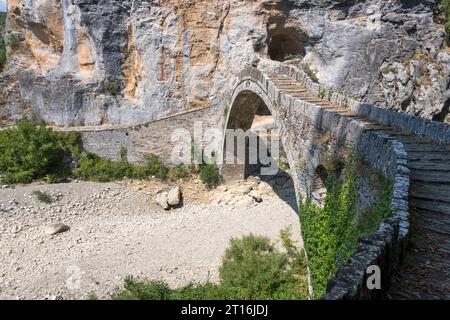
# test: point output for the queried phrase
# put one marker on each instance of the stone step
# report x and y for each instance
(429, 176)
(433, 222)
(287, 87)
(430, 156)
(422, 147)
(298, 91)
(433, 165)
(431, 205)
(432, 191)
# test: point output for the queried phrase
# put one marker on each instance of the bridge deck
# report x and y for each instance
(425, 273)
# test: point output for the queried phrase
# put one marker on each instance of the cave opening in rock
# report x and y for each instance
(285, 44)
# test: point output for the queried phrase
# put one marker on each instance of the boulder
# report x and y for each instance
(162, 200)
(174, 197)
(256, 196)
(56, 228)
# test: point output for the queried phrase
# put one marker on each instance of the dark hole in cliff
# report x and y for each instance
(285, 44)
(444, 115)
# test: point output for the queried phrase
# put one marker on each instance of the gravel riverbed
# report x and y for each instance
(116, 231)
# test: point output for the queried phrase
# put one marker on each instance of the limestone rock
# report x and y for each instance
(114, 63)
(174, 197)
(256, 196)
(56, 228)
(162, 200)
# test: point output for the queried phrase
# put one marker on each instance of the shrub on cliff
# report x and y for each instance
(13, 42)
(31, 151)
(252, 269)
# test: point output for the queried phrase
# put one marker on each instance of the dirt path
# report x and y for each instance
(116, 231)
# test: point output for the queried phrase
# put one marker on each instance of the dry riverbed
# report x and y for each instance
(117, 229)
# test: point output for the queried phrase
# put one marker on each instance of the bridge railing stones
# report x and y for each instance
(438, 132)
(386, 246)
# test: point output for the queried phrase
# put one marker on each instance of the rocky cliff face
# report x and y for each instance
(94, 62)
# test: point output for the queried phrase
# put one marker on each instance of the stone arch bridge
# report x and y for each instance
(316, 124)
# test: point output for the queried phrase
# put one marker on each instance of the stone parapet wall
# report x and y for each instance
(141, 140)
(438, 132)
(385, 247)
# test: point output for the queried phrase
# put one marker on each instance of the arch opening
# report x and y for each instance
(264, 151)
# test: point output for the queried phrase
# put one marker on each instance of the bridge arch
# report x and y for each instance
(251, 101)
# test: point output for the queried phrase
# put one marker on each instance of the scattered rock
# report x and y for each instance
(174, 197)
(244, 189)
(56, 228)
(256, 196)
(161, 199)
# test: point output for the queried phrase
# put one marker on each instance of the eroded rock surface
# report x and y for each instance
(100, 62)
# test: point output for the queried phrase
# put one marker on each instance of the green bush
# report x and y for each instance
(209, 174)
(31, 151)
(92, 167)
(135, 290)
(155, 167)
(252, 269)
(181, 171)
(331, 233)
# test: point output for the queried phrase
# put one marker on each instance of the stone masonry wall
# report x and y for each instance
(140, 141)
(304, 126)
(310, 134)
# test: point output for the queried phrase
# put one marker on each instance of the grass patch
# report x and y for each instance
(252, 269)
(331, 233)
(290, 56)
(43, 196)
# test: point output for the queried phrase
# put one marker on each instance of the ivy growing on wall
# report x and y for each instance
(331, 233)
